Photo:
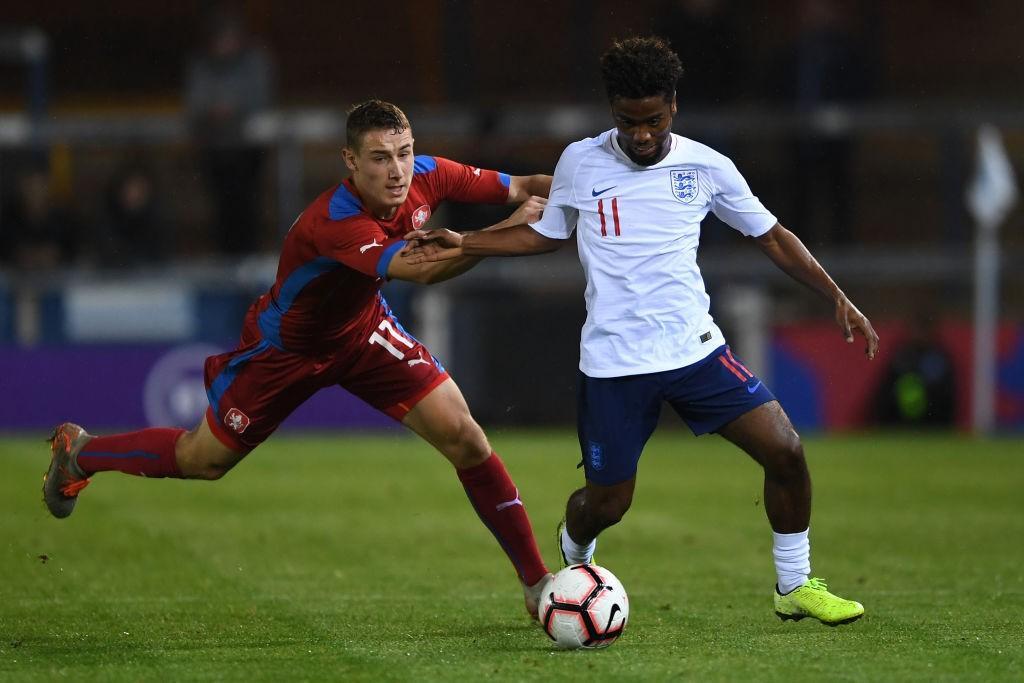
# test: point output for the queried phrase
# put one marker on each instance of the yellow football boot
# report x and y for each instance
(813, 600)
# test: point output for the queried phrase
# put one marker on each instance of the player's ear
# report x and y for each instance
(350, 158)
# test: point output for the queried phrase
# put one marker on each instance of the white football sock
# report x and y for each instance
(574, 552)
(792, 554)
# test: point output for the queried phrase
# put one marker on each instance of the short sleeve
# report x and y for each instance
(359, 243)
(560, 215)
(462, 183)
(735, 204)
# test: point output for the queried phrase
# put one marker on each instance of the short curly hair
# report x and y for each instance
(372, 115)
(639, 67)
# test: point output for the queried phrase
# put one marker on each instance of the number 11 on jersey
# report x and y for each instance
(615, 216)
(378, 338)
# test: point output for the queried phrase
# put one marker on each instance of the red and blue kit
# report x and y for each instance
(325, 323)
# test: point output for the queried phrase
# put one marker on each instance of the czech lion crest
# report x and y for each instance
(237, 420)
(420, 216)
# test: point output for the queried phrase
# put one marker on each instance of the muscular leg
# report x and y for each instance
(614, 419)
(593, 508)
(766, 434)
(159, 452)
(76, 455)
(201, 455)
(443, 419)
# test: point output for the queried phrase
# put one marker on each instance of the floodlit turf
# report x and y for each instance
(342, 558)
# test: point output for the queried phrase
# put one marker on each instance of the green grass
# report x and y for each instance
(345, 558)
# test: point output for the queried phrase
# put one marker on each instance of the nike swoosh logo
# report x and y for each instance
(752, 389)
(611, 616)
(595, 192)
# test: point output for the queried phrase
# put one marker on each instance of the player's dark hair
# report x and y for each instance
(639, 67)
(372, 115)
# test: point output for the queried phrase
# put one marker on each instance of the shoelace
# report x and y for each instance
(816, 584)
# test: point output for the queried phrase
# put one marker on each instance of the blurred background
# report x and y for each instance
(152, 157)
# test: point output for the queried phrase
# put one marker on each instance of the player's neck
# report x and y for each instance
(384, 213)
(622, 146)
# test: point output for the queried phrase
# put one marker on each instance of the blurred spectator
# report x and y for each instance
(705, 36)
(827, 65)
(227, 83)
(37, 232)
(132, 231)
(919, 386)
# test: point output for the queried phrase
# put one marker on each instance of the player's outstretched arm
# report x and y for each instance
(431, 246)
(523, 187)
(787, 252)
(529, 211)
(441, 257)
(441, 244)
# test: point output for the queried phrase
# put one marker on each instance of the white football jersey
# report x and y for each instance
(637, 228)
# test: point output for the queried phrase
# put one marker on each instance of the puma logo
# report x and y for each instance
(417, 361)
(510, 503)
(366, 247)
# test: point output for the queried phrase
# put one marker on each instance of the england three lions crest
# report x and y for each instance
(684, 185)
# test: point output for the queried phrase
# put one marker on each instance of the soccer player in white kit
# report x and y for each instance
(635, 196)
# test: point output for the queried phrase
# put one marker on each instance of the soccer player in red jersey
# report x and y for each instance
(324, 323)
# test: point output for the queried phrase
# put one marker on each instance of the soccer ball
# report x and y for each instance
(584, 606)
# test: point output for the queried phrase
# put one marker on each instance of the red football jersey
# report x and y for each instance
(336, 255)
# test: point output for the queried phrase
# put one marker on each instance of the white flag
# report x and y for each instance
(993, 190)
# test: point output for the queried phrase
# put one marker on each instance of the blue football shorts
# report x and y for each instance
(617, 415)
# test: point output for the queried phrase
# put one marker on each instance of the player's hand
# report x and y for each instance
(849, 319)
(426, 246)
(529, 211)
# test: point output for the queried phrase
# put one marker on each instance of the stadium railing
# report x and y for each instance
(189, 300)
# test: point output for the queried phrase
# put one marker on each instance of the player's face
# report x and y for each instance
(645, 126)
(382, 169)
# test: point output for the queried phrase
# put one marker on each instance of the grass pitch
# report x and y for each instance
(359, 558)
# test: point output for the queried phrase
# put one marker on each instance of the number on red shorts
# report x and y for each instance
(378, 338)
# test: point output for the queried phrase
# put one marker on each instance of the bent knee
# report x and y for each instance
(196, 467)
(787, 458)
(199, 459)
(611, 510)
(463, 442)
(210, 471)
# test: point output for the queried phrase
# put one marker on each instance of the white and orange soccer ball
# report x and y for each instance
(584, 606)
